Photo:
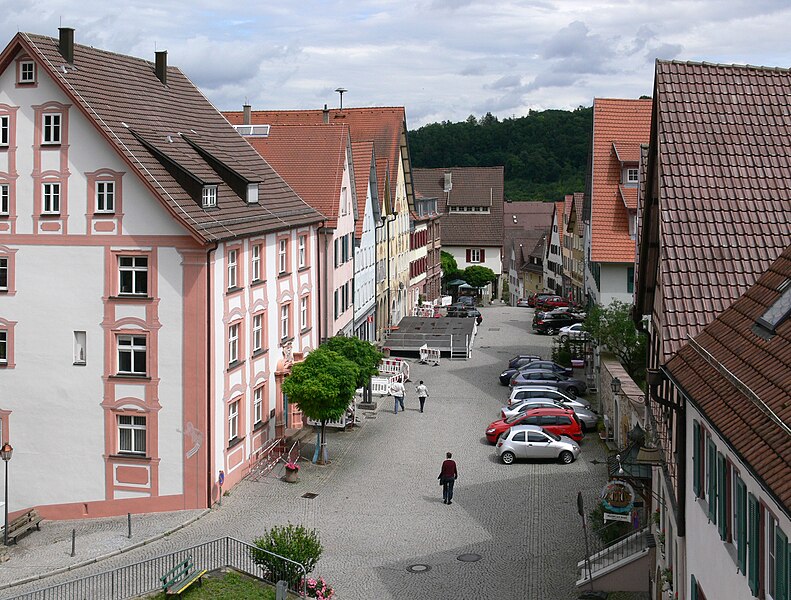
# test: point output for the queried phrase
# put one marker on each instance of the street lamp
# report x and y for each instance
(615, 385)
(5, 452)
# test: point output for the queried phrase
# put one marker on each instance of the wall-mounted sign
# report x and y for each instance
(617, 497)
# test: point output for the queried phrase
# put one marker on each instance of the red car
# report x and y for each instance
(550, 302)
(560, 421)
(533, 299)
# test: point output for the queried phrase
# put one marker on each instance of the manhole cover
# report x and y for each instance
(469, 557)
(309, 495)
(418, 568)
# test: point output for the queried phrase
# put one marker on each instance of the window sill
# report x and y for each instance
(103, 214)
(234, 365)
(284, 274)
(130, 376)
(260, 425)
(235, 442)
(50, 145)
(130, 456)
(233, 290)
(286, 340)
(79, 363)
(257, 283)
(303, 269)
(56, 215)
(306, 330)
(136, 297)
(260, 352)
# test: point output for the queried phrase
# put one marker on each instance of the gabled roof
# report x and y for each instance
(364, 173)
(384, 126)
(740, 380)
(312, 160)
(559, 210)
(620, 125)
(573, 209)
(628, 195)
(472, 186)
(719, 159)
(528, 215)
(171, 137)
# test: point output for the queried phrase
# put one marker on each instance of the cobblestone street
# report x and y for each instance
(379, 507)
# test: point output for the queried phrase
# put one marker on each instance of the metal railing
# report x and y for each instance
(135, 580)
(631, 544)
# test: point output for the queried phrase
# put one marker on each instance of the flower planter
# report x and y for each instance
(291, 476)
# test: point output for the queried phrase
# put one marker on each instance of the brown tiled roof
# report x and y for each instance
(384, 126)
(724, 180)
(476, 186)
(628, 196)
(363, 158)
(559, 208)
(141, 118)
(311, 159)
(622, 124)
(746, 374)
(528, 215)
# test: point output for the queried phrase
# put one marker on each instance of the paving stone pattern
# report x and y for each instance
(379, 506)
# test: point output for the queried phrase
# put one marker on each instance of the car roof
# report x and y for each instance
(535, 388)
(548, 411)
(527, 428)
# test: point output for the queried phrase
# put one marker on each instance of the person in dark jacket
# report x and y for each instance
(447, 477)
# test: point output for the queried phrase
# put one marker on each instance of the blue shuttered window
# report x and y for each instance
(722, 519)
(754, 513)
(697, 464)
(740, 535)
(711, 463)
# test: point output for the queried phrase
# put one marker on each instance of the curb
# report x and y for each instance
(102, 557)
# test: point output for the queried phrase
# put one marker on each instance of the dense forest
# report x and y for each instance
(545, 154)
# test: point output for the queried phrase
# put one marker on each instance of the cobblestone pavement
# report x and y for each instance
(379, 507)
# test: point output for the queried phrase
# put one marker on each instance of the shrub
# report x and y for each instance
(607, 532)
(294, 542)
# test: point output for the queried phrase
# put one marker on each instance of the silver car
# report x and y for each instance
(531, 441)
(587, 418)
(523, 392)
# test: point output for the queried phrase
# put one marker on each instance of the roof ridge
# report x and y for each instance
(91, 48)
(692, 63)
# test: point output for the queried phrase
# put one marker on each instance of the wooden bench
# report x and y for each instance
(180, 577)
(23, 523)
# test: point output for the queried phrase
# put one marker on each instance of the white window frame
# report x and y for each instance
(139, 264)
(50, 198)
(209, 196)
(285, 317)
(4, 273)
(3, 346)
(256, 262)
(51, 128)
(134, 425)
(5, 199)
(303, 242)
(258, 402)
(475, 255)
(233, 343)
(282, 255)
(632, 175)
(27, 67)
(232, 267)
(258, 332)
(233, 420)
(5, 130)
(303, 312)
(131, 344)
(105, 196)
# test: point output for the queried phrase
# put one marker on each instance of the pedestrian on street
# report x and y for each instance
(422, 394)
(447, 477)
(397, 389)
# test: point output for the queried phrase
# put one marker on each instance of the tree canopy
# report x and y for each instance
(545, 154)
(363, 354)
(478, 276)
(612, 327)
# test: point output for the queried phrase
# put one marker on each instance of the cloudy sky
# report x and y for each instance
(441, 59)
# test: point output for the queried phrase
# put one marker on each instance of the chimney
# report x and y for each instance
(326, 112)
(161, 66)
(66, 45)
(247, 112)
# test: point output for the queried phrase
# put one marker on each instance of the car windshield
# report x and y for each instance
(552, 435)
(513, 418)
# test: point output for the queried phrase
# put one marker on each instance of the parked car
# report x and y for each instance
(531, 441)
(455, 310)
(573, 387)
(522, 359)
(554, 322)
(561, 421)
(586, 417)
(466, 300)
(573, 332)
(535, 297)
(514, 365)
(523, 303)
(546, 365)
(524, 392)
(551, 302)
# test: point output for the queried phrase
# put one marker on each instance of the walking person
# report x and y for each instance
(422, 394)
(447, 477)
(397, 389)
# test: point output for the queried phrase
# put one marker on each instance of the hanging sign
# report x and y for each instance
(617, 498)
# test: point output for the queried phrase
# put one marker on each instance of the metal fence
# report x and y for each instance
(133, 581)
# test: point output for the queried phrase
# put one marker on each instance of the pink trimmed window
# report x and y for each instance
(132, 434)
(133, 275)
(5, 273)
(51, 128)
(132, 355)
(285, 321)
(5, 130)
(255, 263)
(25, 72)
(304, 312)
(282, 256)
(5, 200)
(233, 344)
(50, 198)
(234, 420)
(7, 344)
(302, 252)
(258, 405)
(258, 333)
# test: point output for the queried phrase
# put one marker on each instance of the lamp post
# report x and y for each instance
(5, 452)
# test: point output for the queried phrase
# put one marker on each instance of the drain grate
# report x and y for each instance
(493, 329)
(309, 495)
(418, 568)
(469, 557)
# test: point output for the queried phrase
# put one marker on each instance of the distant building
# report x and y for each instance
(573, 249)
(528, 231)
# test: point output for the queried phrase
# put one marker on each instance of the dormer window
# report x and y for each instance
(252, 193)
(631, 175)
(209, 196)
(27, 71)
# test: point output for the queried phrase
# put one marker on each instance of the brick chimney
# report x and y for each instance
(161, 66)
(247, 113)
(66, 43)
(326, 113)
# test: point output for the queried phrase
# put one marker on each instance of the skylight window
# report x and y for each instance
(779, 311)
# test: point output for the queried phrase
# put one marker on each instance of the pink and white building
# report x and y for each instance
(156, 281)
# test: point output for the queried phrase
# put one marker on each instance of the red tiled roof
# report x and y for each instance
(624, 124)
(763, 368)
(363, 158)
(559, 209)
(627, 152)
(384, 126)
(141, 118)
(628, 196)
(472, 186)
(310, 158)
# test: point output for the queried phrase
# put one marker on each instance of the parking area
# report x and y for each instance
(512, 531)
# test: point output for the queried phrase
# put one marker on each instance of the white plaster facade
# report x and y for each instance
(365, 270)
(553, 265)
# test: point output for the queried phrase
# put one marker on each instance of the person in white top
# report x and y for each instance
(422, 394)
(397, 389)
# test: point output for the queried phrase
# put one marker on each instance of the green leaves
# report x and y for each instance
(363, 354)
(294, 542)
(612, 326)
(478, 276)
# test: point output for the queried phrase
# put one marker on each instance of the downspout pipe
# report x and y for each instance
(209, 403)
(390, 219)
(376, 277)
(318, 277)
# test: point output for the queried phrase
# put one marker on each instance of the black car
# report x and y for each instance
(455, 310)
(551, 323)
(546, 365)
(514, 365)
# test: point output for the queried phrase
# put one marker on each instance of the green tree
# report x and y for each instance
(294, 542)
(362, 353)
(448, 263)
(478, 276)
(612, 327)
(322, 386)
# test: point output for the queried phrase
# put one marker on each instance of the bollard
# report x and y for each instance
(73, 542)
(129, 525)
(281, 589)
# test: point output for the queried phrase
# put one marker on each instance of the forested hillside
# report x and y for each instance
(545, 154)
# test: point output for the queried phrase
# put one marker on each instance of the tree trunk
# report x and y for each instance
(323, 456)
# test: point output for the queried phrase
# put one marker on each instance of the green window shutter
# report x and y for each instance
(693, 589)
(722, 521)
(741, 524)
(754, 512)
(781, 565)
(696, 462)
(712, 480)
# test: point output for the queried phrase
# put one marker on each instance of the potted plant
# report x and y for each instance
(292, 469)
(667, 579)
(318, 588)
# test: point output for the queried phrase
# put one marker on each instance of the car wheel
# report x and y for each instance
(564, 338)
(551, 331)
(507, 458)
(566, 457)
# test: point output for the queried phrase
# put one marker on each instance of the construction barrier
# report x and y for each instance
(429, 356)
(395, 366)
